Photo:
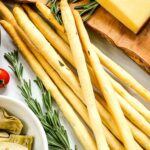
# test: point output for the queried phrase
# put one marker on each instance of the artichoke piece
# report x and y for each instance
(24, 140)
(4, 140)
(11, 146)
(4, 134)
(10, 123)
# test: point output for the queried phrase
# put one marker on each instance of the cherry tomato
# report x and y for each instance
(4, 78)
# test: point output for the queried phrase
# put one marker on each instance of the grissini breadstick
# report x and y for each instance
(83, 74)
(82, 133)
(66, 91)
(66, 53)
(75, 102)
(6, 14)
(62, 35)
(61, 46)
(123, 75)
(49, 16)
(117, 70)
(133, 115)
(139, 136)
(131, 100)
(31, 46)
(77, 105)
(142, 139)
(46, 49)
(40, 23)
(56, 41)
(105, 85)
(10, 31)
(139, 123)
(144, 144)
(45, 11)
(120, 90)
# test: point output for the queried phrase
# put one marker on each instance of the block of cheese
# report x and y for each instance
(132, 13)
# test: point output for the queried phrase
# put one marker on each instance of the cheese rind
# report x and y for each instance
(132, 13)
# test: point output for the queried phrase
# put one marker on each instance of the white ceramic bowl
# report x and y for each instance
(32, 125)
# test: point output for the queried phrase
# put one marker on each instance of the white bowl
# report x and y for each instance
(32, 125)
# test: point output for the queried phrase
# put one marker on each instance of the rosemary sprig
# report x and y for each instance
(17, 68)
(85, 10)
(56, 134)
(55, 9)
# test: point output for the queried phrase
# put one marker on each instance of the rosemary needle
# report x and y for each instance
(55, 9)
(85, 10)
(56, 133)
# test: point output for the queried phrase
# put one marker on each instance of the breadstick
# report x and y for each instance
(6, 14)
(62, 46)
(40, 23)
(106, 87)
(67, 55)
(14, 36)
(75, 102)
(131, 100)
(46, 49)
(62, 35)
(142, 139)
(82, 133)
(32, 47)
(49, 16)
(133, 115)
(139, 136)
(123, 75)
(83, 74)
(56, 41)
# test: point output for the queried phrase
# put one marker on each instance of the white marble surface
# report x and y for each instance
(112, 52)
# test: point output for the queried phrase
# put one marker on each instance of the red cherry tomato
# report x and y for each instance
(4, 78)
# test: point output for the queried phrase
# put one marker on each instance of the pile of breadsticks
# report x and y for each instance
(118, 121)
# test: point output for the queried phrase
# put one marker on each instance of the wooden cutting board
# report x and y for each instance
(136, 47)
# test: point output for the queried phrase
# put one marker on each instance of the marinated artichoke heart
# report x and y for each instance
(4, 140)
(24, 140)
(9, 123)
(4, 134)
(11, 146)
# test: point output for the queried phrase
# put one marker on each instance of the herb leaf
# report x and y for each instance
(55, 131)
(85, 10)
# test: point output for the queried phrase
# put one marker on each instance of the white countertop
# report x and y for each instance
(115, 54)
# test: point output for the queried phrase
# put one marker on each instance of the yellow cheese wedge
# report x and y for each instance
(132, 13)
